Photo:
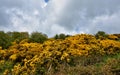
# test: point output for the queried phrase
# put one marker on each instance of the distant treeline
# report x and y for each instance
(7, 38)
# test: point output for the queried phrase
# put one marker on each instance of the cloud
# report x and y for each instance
(20, 15)
(4, 19)
(107, 23)
(60, 16)
(46, 1)
(79, 13)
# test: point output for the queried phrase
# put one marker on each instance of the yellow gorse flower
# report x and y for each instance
(35, 55)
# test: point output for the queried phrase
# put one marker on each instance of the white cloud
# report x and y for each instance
(108, 23)
(60, 16)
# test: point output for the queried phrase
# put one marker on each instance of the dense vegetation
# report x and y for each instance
(81, 54)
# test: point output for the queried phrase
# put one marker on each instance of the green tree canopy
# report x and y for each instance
(38, 37)
(101, 35)
(5, 40)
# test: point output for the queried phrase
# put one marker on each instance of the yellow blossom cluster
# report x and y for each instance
(32, 58)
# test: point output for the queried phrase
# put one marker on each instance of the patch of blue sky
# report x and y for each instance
(46, 1)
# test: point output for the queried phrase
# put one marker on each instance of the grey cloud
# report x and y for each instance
(80, 12)
(60, 16)
(6, 5)
(12, 3)
(4, 19)
(108, 23)
(20, 12)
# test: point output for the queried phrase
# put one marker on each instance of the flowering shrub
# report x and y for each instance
(36, 58)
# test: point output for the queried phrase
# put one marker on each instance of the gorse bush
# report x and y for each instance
(81, 54)
(6, 39)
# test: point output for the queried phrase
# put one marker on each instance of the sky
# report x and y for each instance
(60, 16)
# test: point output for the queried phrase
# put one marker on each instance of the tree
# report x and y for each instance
(5, 40)
(18, 36)
(56, 36)
(24, 35)
(101, 35)
(38, 37)
(60, 36)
